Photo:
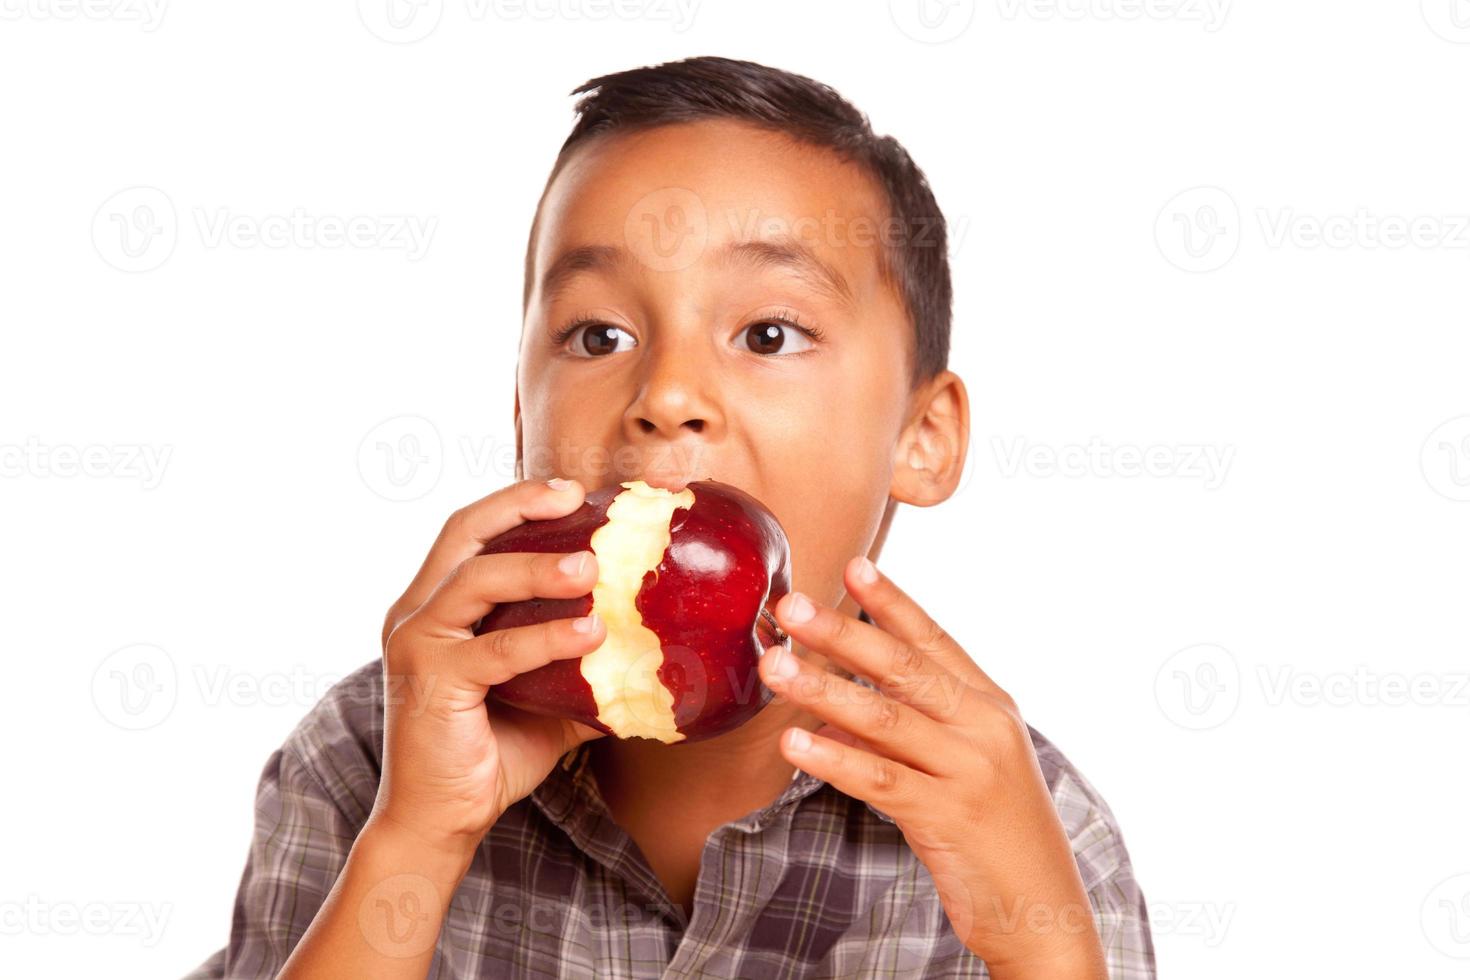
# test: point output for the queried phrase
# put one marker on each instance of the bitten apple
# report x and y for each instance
(685, 582)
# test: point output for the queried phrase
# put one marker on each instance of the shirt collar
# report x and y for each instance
(569, 796)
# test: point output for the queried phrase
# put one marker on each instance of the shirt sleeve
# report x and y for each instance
(299, 845)
(1118, 908)
(1118, 905)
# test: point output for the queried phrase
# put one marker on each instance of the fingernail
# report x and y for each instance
(574, 564)
(558, 484)
(866, 571)
(784, 666)
(586, 624)
(799, 608)
(800, 740)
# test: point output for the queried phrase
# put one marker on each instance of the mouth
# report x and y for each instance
(670, 480)
(674, 483)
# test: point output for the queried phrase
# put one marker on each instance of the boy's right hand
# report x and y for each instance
(452, 763)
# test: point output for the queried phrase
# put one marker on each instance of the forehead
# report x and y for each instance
(688, 195)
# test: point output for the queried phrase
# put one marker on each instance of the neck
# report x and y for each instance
(712, 782)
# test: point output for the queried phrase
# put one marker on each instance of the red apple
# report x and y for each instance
(684, 583)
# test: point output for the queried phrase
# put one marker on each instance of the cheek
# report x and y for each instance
(826, 461)
(831, 500)
(566, 436)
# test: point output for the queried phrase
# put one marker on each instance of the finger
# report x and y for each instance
(469, 528)
(895, 667)
(842, 737)
(889, 726)
(897, 614)
(497, 656)
(478, 584)
(889, 785)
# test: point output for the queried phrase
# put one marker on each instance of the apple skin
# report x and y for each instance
(726, 562)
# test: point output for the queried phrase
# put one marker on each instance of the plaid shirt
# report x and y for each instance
(817, 884)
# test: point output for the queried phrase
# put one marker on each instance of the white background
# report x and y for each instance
(1260, 662)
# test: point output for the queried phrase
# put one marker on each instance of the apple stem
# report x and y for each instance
(781, 636)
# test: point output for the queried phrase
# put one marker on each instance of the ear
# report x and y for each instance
(929, 456)
(517, 410)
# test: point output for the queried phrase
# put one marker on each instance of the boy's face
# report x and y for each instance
(686, 369)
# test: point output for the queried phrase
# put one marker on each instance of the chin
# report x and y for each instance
(687, 575)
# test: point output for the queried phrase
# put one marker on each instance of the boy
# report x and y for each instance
(729, 276)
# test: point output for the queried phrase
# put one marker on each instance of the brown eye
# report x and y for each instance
(773, 337)
(601, 339)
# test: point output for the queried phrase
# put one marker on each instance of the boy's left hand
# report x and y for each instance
(941, 749)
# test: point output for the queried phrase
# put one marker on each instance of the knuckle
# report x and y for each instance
(884, 775)
(999, 726)
(460, 574)
(500, 644)
(456, 523)
(391, 619)
(886, 716)
(944, 696)
(903, 663)
(932, 636)
(400, 650)
(839, 629)
(474, 574)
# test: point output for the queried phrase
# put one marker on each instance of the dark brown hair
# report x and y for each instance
(915, 262)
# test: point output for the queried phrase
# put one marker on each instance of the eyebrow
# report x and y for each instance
(584, 258)
(779, 252)
(793, 255)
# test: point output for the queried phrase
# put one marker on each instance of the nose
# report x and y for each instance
(677, 395)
